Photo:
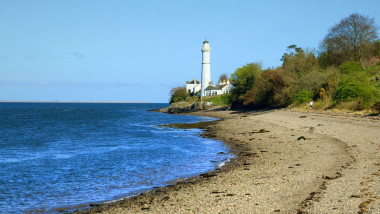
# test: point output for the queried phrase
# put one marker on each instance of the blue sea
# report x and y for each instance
(61, 156)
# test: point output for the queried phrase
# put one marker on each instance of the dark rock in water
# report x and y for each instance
(221, 153)
(302, 138)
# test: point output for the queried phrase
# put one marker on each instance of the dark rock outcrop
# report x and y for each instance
(185, 107)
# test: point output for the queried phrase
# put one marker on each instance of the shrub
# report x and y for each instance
(311, 82)
(376, 107)
(355, 88)
(304, 96)
(219, 100)
(178, 94)
(272, 89)
(350, 67)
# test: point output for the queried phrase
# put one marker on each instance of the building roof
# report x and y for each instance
(193, 82)
(210, 87)
(219, 87)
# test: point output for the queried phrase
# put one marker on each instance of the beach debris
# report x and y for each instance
(248, 154)
(165, 198)
(303, 116)
(338, 175)
(364, 206)
(208, 175)
(311, 129)
(301, 138)
(260, 131)
(217, 192)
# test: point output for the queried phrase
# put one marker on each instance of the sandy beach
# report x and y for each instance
(287, 162)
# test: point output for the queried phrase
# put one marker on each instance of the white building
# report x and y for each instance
(224, 87)
(193, 86)
(206, 86)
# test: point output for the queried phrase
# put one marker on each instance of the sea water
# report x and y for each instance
(57, 156)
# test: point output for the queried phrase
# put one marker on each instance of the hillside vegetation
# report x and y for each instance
(344, 74)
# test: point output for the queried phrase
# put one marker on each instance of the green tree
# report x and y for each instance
(243, 79)
(311, 82)
(376, 48)
(349, 40)
(298, 61)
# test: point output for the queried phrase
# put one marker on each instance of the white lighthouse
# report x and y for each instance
(206, 75)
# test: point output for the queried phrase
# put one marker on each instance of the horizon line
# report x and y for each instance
(58, 101)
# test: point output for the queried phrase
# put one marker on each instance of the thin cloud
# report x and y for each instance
(28, 57)
(77, 55)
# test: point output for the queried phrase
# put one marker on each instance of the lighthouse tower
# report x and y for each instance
(206, 75)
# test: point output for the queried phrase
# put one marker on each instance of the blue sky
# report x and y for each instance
(78, 50)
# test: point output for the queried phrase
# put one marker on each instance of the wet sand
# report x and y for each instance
(287, 162)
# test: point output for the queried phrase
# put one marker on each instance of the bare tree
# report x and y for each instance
(350, 40)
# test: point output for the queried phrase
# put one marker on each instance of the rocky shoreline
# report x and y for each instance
(287, 162)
